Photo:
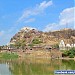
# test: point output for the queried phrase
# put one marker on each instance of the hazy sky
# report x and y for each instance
(45, 15)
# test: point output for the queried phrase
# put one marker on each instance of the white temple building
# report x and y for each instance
(63, 46)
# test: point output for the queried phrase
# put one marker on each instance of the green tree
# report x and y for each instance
(71, 56)
(70, 53)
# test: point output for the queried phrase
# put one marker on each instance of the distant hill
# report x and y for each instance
(32, 37)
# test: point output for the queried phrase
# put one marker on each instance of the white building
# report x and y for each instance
(68, 45)
(62, 45)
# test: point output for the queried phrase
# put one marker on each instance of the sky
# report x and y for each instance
(44, 15)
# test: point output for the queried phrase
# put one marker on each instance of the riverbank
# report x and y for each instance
(33, 54)
(16, 56)
(8, 55)
(67, 58)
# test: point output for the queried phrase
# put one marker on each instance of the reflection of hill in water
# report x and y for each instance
(70, 64)
(34, 67)
(38, 66)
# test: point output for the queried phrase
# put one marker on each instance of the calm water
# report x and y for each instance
(34, 66)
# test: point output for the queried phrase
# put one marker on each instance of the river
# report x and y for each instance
(34, 66)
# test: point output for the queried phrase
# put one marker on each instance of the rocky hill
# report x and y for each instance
(32, 37)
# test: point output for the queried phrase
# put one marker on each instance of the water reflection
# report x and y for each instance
(4, 69)
(32, 66)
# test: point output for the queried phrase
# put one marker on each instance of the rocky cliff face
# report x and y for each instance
(68, 35)
(31, 37)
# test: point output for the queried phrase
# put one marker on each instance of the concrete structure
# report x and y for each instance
(63, 46)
